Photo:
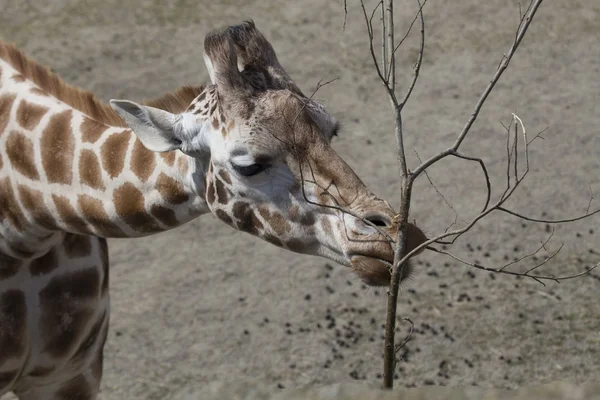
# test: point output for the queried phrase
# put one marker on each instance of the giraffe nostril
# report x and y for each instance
(379, 220)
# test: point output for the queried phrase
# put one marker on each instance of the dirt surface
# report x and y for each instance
(205, 303)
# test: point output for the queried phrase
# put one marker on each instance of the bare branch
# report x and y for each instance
(419, 60)
(488, 183)
(437, 190)
(527, 274)
(548, 221)
(521, 31)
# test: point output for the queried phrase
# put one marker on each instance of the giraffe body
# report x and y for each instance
(250, 148)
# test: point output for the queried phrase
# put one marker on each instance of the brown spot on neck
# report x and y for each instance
(164, 215)
(171, 190)
(93, 211)
(69, 215)
(44, 264)
(168, 157)
(19, 149)
(29, 114)
(77, 245)
(142, 161)
(33, 201)
(245, 218)
(9, 208)
(90, 171)
(6, 103)
(58, 148)
(113, 152)
(275, 220)
(91, 130)
(129, 204)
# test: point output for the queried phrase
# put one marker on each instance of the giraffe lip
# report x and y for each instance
(383, 260)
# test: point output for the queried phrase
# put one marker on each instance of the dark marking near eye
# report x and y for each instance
(221, 193)
(225, 176)
(210, 193)
(246, 220)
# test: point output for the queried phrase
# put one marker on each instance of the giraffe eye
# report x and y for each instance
(249, 170)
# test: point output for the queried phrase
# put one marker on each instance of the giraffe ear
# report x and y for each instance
(221, 62)
(155, 128)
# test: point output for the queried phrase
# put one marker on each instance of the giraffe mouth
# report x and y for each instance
(372, 270)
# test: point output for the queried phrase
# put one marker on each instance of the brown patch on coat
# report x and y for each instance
(223, 216)
(77, 245)
(221, 192)
(18, 78)
(66, 308)
(89, 344)
(29, 114)
(183, 165)
(164, 215)
(224, 175)
(69, 215)
(296, 215)
(77, 388)
(6, 103)
(13, 323)
(9, 266)
(33, 201)
(58, 148)
(295, 245)
(168, 157)
(171, 190)
(246, 219)
(129, 204)
(275, 220)
(142, 161)
(113, 152)
(9, 208)
(90, 171)
(19, 149)
(44, 264)
(91, 130)
(210, 193)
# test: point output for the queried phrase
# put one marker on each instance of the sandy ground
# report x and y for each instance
(204, 303)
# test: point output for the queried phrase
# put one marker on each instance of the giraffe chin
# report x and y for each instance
(376, 271)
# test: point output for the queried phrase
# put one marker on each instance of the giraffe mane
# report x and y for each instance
(85, 101)
(178, 101)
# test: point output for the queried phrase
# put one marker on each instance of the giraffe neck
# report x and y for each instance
(62, 170)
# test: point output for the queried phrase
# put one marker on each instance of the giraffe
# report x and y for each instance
(249, 148)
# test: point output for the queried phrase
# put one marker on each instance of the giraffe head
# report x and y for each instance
(262, 159)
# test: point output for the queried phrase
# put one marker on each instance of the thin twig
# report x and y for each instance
(538, 278)
(521, 31)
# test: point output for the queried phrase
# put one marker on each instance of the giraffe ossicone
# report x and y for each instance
(250, 148)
